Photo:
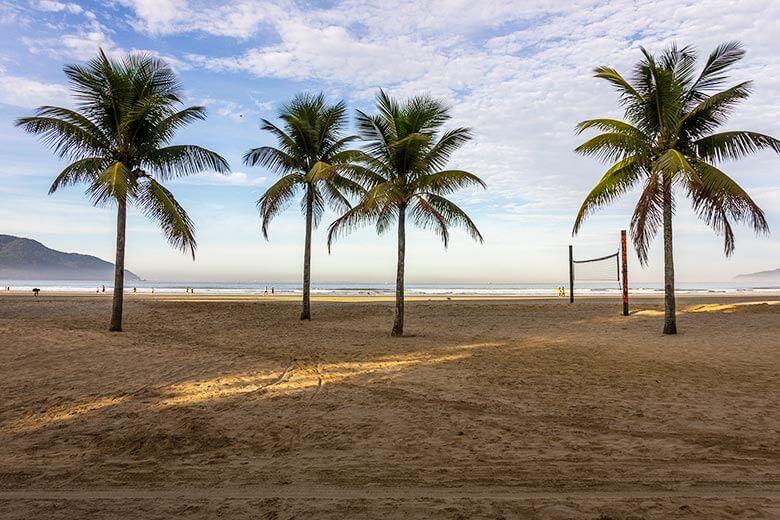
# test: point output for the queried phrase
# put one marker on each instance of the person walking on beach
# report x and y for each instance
(272, 291)
(103, 289)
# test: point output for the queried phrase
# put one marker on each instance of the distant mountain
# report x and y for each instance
(26, 259)
(769, 276)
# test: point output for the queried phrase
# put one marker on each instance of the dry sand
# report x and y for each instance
(232, 408)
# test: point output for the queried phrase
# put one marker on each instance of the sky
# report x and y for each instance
(519, 73)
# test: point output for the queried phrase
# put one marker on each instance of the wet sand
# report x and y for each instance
(511, 408)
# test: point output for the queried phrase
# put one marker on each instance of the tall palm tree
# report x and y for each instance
(667, 144)
(127, 111)
(311, 156)
(401, 167)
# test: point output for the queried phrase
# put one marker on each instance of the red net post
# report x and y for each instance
(624, 258)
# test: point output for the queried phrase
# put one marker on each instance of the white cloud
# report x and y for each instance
(27, 92)
(52, 6)
(239, 19)
(217, 179)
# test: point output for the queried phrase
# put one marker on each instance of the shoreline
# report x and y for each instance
(355, 298)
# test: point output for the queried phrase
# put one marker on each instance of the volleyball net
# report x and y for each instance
(609, 268)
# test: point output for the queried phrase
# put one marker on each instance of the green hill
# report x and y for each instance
(26, 259)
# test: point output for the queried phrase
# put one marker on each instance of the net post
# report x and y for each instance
(571, 274)
(624, 258)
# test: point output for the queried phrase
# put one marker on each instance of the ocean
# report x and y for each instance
(382, 289)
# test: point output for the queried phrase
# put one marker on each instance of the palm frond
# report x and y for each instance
(724, 56)
(116, 182)
(453, 215)
(733, 145)
(671, 163)
(613, 146)
(159, 204)
(717, 197)
(618, 180)
(440, 153)
(86, 169)
(276, 198)
(182, 160)
(713, 111)
(446, 182)
(67, 136)
(358, 216)
(425, 216)
(648, 217)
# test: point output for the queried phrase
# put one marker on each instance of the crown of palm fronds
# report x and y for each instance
(117, 138)
(667, 140)
(401, 165)
(312, 153)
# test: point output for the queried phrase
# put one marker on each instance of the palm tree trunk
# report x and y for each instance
(306, 311)
(670, 319)
(119, 267)
(398, 323)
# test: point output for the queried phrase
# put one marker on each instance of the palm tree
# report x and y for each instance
(667, 144)
(127, 112)
(312, 155)
(401, 168)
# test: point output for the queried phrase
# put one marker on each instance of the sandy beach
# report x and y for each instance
(230, 407)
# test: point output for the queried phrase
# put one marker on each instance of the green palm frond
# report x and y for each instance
(169, 125)
(67, 137)
(446, 182)
(450, 141)
(613, 146)
(648, 217)
(673, 162)
(425, 216)
(159, 204)
(618, 180)
(628, 94)
(277, 198)
(712, 185)
(611, 126)
(358, 216)
(274, 159)
(116, 182)
(82, 170)
(453, 215)
(182, 160)
(733, 145)
(713, 111)
(711, 77)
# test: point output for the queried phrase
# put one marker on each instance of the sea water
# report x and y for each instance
(387, 289)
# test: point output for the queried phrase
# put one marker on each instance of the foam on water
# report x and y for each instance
(386, 289)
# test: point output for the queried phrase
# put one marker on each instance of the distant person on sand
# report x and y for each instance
(36, 291)
(272, 291)
(134, 290)
(265, 293)
(152, 290)
(103, 289)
